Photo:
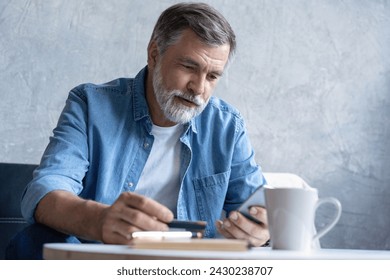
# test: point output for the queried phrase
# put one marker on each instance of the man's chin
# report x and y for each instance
(182, 117)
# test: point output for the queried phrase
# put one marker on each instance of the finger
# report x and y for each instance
(250, 227)
(116, 238)
(232, 231)
(232, 226)
(260, 214)
(140, 220)
(148, 206)
(243, 228)
(125, 229)
(118, 232)
(222, 230)
(123, 219)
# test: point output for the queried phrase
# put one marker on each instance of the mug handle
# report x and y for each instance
(335, 218)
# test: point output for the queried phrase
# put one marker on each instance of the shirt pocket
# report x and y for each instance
(210, 192)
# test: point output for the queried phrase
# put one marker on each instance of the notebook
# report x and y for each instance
(197, 244)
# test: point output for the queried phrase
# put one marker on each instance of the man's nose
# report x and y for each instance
(197, 84)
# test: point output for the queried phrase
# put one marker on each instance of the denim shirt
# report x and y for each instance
(103, 139)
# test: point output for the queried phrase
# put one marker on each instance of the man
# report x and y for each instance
(133, 154)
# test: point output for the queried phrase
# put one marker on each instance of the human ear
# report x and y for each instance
(152, 54)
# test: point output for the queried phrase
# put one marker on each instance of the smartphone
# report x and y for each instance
(257, 198)
(187, 225)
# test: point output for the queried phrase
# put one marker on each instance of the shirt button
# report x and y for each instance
(130, 184)
(146, 145)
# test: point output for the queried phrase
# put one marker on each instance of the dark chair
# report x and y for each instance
(13, 180)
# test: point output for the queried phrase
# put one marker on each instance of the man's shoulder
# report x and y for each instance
(119, 86)
(219, 106)
(221, 114)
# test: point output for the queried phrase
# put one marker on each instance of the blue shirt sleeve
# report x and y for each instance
(246, 175)
(65, 160)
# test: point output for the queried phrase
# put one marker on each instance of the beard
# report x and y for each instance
(168, 100)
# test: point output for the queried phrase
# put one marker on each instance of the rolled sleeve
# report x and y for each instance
(65, 160)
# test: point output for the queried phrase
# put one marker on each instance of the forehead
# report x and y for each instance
(189, 47)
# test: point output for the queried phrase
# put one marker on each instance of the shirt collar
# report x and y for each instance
(140, 105)
(141, 109)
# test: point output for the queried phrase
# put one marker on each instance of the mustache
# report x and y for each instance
(197, 100)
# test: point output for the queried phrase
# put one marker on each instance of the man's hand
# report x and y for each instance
(132, 212)
(239, 227)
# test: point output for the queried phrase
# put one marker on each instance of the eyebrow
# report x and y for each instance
(190, 61)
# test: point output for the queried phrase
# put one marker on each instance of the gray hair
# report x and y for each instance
(207, 23)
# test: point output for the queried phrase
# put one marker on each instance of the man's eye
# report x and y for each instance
(189, 67)
(213, 77)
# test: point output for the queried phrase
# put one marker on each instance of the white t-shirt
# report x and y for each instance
(160, 178)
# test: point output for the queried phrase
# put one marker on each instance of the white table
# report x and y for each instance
(63, 251)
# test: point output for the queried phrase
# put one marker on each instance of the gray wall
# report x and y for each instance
(312, 79)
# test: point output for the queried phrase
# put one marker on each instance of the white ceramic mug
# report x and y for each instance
(291, 217)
